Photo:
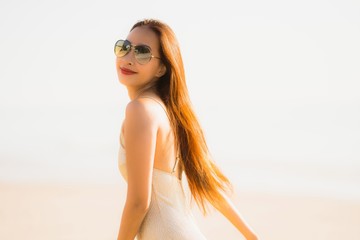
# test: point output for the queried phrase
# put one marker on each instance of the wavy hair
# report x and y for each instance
(206, 181)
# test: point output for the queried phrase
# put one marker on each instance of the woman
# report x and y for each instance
(160, 139)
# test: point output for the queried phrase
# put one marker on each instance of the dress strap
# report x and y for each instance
(176, 161)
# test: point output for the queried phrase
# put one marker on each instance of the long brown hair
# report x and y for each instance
(206, 181)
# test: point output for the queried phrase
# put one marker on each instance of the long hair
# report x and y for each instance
(206, 182)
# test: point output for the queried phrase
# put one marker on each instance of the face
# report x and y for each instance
(133, 74)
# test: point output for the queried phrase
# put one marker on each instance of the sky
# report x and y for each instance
(274, 83)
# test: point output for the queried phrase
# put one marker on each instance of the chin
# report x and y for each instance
(126, 82)
(122, 79)
(123, 82)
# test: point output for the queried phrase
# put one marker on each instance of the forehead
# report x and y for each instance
(144, 35)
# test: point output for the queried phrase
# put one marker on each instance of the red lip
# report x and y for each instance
(126, 71)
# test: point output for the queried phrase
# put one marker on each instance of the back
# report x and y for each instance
(165, 153)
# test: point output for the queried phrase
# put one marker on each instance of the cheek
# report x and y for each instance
(117, 66)
(147, 75)
(151, 69)
(118, 62)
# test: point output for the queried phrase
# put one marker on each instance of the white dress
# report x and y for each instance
(169, 216)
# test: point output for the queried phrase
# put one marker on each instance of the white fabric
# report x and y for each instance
(169, 216)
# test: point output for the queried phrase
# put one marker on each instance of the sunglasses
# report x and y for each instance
(142, 52)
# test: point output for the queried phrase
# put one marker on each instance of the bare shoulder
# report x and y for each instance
(141, 112)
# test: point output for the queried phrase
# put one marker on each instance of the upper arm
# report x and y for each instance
(140, 132)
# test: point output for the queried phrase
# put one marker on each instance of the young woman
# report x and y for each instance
(160, 139)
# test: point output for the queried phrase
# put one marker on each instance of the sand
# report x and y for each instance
(92, 211)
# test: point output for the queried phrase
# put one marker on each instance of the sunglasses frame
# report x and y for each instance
(132, 46)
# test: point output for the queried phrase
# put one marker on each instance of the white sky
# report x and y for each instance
(270, 80)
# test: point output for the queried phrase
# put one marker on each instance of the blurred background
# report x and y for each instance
(275, 85)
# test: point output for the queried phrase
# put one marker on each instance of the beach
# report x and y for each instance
(92, 211)
(279, 108)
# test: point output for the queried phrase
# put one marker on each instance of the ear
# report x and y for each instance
(161, 71)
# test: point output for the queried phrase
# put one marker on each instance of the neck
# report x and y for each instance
(135, 93)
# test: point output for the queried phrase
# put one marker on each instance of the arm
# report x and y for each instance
(228, 209)
(140, 139)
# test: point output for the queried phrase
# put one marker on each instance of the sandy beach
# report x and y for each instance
(92, 211)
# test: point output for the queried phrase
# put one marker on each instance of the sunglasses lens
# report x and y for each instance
(121, 48)
(143, 54)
